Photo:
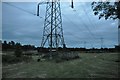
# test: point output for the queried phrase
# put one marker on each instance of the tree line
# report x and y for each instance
(11, 45)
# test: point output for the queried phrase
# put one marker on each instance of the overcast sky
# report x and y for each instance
(80, 26)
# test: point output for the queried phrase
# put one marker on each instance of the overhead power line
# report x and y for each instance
(86, 26)
(71, 22)
(88, 17)
(21, 9)
(40, 17)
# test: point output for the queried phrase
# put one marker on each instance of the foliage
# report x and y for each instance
(11, 59)
(18, 51)
(28, 47)
(106, 9)
(12, 46)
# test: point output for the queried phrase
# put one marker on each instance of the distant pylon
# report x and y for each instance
(53, 32)
(101, 42)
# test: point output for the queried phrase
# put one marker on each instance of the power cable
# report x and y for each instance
(20, 9)
(86, 26)
(89, 19)
(76, 26)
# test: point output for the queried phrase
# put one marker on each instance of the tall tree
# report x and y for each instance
(106, 9)
(12, 43)
(4, 45)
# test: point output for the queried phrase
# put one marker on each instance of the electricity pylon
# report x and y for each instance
(53, 31)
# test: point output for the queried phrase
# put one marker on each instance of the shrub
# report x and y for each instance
(18, 53)
(26, 58)
(10, 59)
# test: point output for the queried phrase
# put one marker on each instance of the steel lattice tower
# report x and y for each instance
(53, 32)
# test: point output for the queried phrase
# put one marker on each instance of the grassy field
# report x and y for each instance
(89, 65)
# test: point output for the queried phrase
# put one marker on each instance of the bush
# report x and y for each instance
(18, 53)
(10, 59)
(26, 58)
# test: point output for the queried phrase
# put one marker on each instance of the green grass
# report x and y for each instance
(89, 65)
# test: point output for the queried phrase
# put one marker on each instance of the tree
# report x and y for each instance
(4, 45)
(106, 9)
(12, 44)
